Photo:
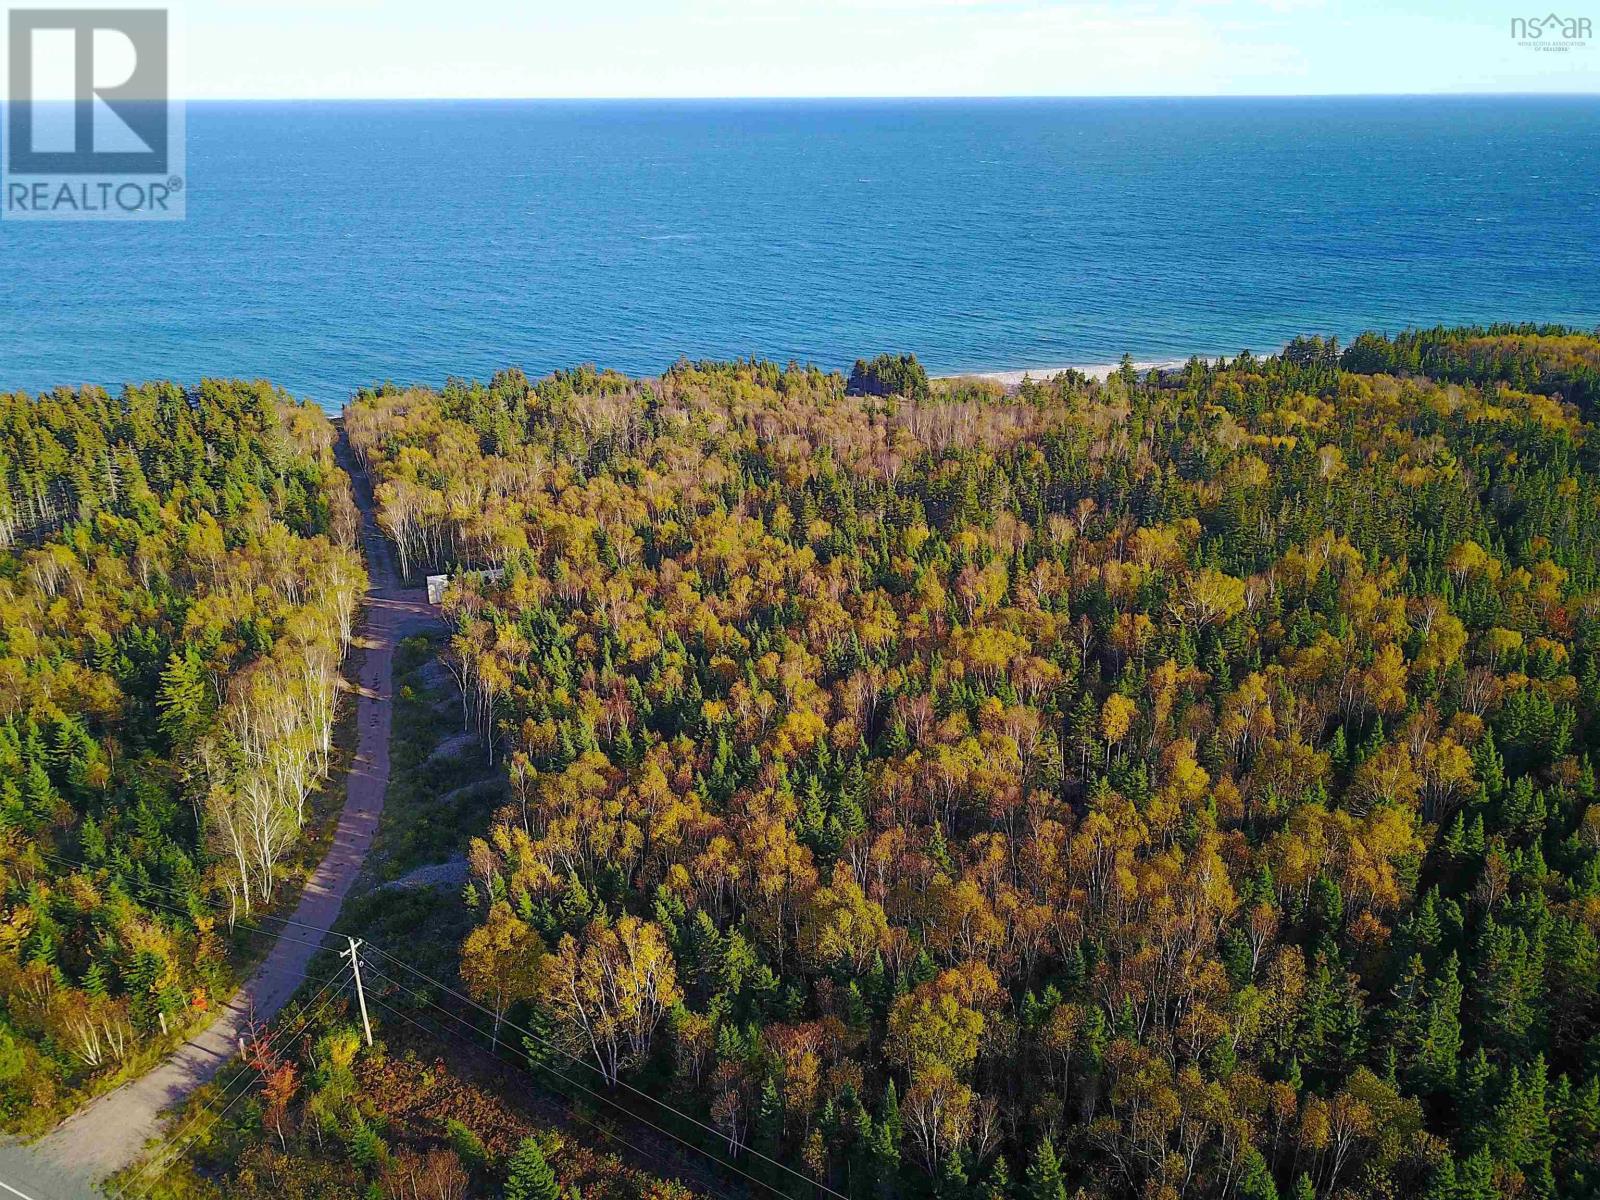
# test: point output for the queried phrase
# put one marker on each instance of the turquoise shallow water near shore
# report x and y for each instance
(331, 245)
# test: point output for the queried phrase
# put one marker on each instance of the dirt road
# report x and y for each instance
(108, 1134)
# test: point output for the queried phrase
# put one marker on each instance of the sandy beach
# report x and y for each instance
(1012, 378)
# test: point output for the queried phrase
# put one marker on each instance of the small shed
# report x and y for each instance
(438, 583)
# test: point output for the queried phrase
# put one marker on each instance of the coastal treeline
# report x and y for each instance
(178, 583)
(1176, 786)
(1549, 359)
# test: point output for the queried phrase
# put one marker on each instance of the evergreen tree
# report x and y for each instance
(1442, 1184)
(997, 1183)
(1475, 1178)
(1439, 1049)
(1044, 1180)
(769, 1122)
(1255, 1181)
(528, 1175)
(951, 1182)
(886, 1159)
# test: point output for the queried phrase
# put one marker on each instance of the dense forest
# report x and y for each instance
(1539, 358)
(1177, 785)
(178, 581)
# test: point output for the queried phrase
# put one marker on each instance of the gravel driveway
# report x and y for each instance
(108, 1134)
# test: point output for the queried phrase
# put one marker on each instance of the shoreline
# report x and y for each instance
(1013, 377)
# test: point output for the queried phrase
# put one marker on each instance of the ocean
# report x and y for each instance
(333, 245)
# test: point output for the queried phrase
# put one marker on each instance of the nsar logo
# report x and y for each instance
(1551, 32)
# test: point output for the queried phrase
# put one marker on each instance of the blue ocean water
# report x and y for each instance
(330, 245)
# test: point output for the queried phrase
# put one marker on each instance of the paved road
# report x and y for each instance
(108, 1134)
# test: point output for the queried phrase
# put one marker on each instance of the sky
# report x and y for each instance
(273, 49)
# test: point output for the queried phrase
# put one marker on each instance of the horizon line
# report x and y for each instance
(892, 98)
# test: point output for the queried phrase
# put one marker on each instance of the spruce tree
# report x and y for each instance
(1442, 1184)
(1044, 1178)
(886, 1160)
(1475, 1179)
(769, 1122)
(951, 1182)
(1439, 1051)
(528, 1175)
(997, 1183)
(890, 1112)
(1255, 1182)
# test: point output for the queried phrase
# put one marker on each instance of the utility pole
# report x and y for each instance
(361, 996)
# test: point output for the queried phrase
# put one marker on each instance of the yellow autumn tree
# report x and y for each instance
(1116, 719)
(610, 990)
(500, 961)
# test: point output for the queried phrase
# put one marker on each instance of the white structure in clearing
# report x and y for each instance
(438, 583)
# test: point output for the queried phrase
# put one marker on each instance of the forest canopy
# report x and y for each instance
(1181, 785)
(1177, 784)
(178, 581)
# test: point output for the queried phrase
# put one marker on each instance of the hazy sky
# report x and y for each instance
(508, 48)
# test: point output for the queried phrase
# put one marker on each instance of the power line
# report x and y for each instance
(603, 1099)
(273, 1042)
(575, 1113)
(284, 934)
(544, 1043)
(552, 1047)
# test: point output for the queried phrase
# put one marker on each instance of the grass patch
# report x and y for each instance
(434, 806)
